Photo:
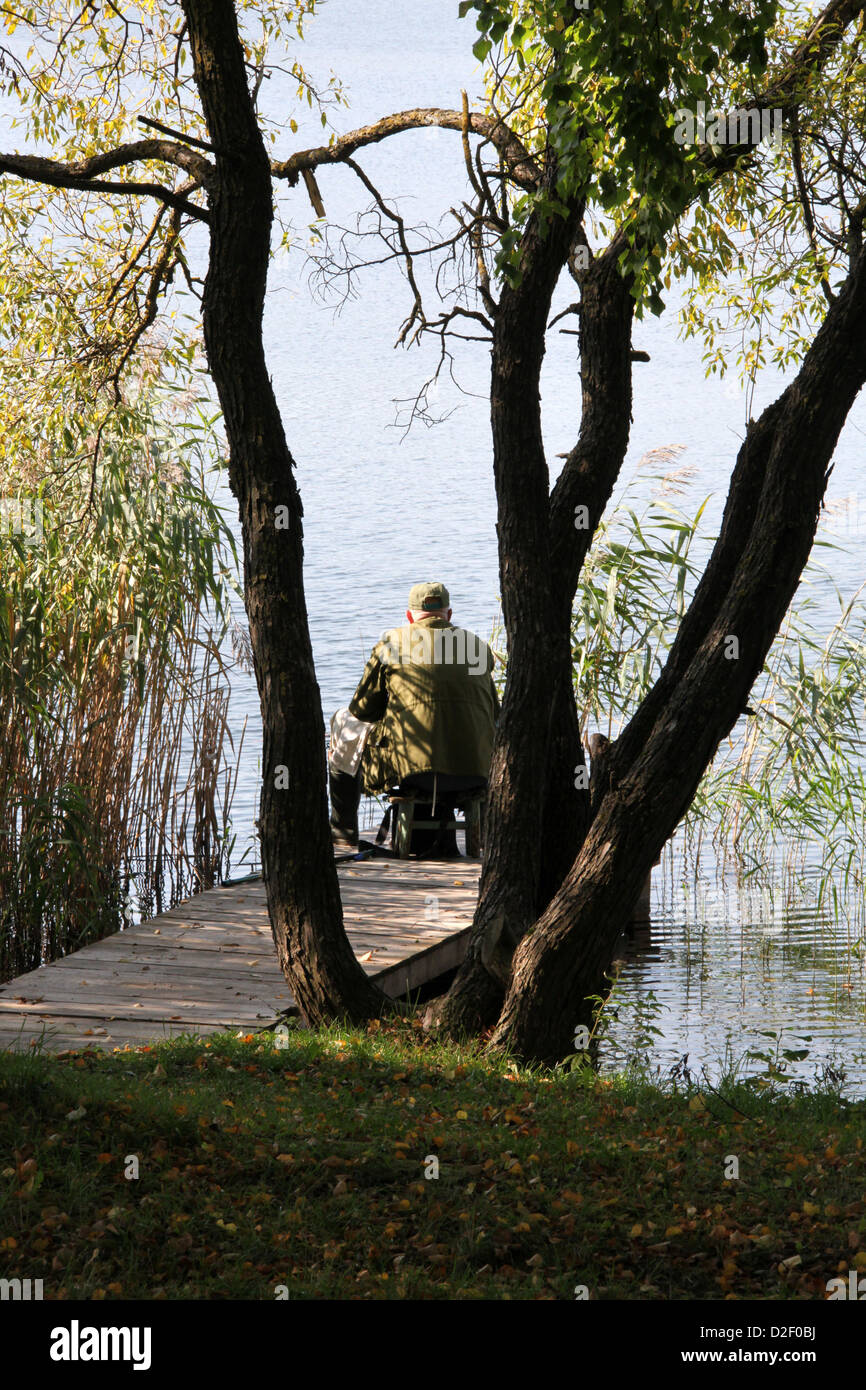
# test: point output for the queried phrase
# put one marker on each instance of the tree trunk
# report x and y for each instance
(767, 534)
(297, 857)
(535, 705)
(538, 821)
(586, 481)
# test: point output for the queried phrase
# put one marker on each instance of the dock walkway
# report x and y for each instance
(210, 964)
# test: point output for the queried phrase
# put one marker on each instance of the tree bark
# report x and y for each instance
(297, 856)
(535, 706)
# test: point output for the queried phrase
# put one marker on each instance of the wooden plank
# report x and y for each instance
(218, 970)
(122, 991)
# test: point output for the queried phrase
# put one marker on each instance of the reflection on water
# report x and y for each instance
(726, 966)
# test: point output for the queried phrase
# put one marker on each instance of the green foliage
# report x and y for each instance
(83, 74)
(81, 78)
(761, 255)
(599, 88)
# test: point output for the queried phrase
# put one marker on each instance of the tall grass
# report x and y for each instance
(116, 774)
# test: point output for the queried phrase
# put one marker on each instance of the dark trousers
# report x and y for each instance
(345, 792)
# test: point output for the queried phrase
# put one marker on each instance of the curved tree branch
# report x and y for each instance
(521, 165)
(84, 173)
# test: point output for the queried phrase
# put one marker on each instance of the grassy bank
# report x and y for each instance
(305, 1168)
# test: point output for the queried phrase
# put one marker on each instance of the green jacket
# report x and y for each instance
(428, 690)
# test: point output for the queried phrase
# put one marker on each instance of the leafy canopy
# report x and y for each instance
(599, 88)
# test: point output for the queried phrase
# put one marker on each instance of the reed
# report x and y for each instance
(783, 805)
(116, 761)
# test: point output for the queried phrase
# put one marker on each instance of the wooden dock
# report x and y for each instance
(210, 963)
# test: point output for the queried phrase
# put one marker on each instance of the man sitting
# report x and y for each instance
(430, 706)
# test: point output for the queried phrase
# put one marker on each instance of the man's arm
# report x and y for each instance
(370, 700)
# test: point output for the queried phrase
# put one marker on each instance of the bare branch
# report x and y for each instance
(178, 135)
(160, 275)
(417, 312)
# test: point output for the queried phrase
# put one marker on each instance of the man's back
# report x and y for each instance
(428, 688)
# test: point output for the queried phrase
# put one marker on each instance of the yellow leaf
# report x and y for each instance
(811, 1208)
